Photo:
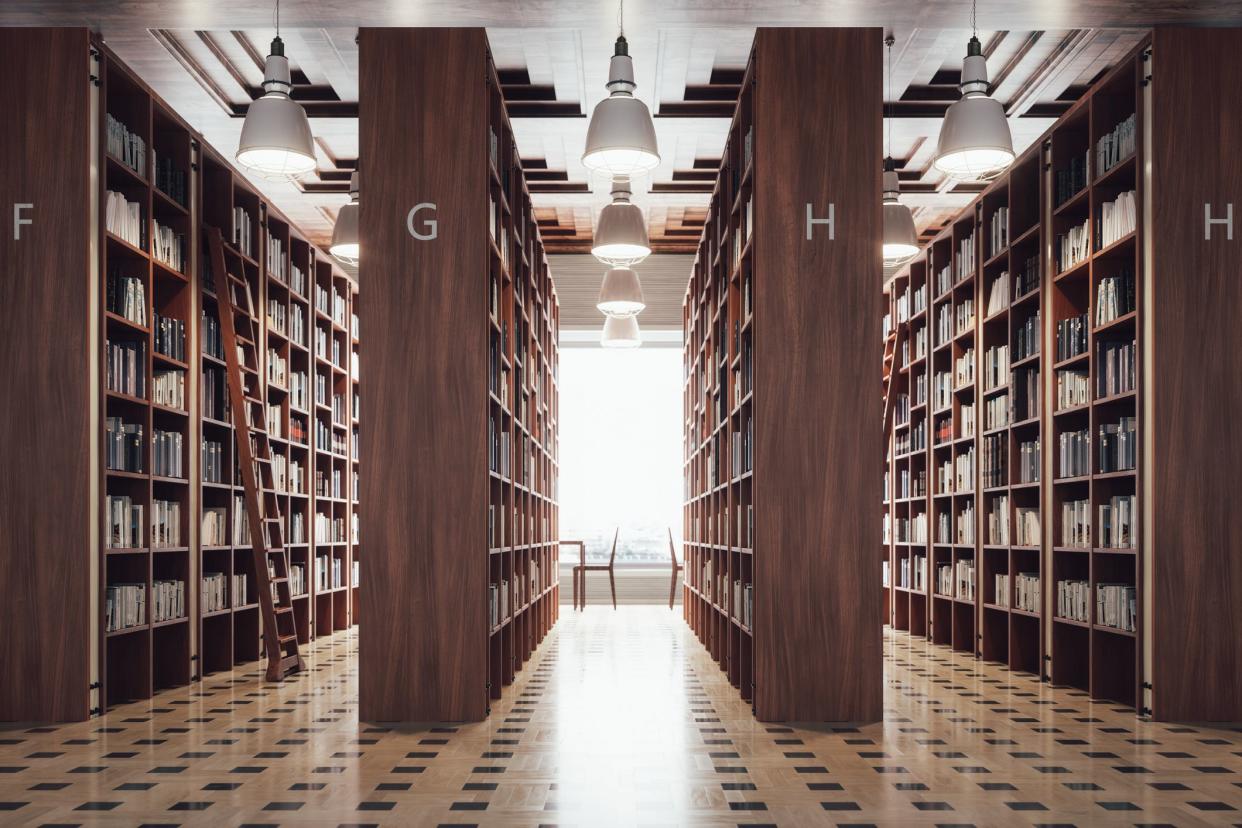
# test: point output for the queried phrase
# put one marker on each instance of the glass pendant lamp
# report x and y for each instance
(621, 294)
(621, 332)
(276, 138)
(621, 139)
(344, 246)
(975, 142)
(621, 237)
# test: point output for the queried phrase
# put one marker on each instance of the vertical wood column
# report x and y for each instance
(424, 486)
(1194, 389)
(50, 350)
(817, 350)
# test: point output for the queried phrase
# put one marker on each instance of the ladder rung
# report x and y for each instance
(285, 639)
(283, 610)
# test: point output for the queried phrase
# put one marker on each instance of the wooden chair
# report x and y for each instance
(583, 568)
(581, 561)
(677, 568)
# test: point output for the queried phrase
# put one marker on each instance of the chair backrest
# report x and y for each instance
(672, 550)
(613, 557)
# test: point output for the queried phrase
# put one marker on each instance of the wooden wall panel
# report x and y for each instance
(45, 404)
(423, 649)
(1197, 389)
(817, 349)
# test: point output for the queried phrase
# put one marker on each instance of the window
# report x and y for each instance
(621, 450)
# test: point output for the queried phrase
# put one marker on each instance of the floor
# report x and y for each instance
(622, 720)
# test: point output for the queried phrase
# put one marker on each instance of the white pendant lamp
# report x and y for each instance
(621, 139)
(344, 246)
(276, 137)
(621, 332)
(621, 294)
(621, 237)
(901, 242)
(975, 142)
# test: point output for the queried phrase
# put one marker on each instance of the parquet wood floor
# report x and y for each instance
(622, 719)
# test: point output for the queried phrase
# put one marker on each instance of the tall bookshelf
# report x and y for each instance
(163, 490)
(459, 506)
(1063, 454)
(765, 400)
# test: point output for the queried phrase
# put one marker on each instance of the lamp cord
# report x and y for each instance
(277, 18)
(974, 9)
(888, 42)
(621, 17)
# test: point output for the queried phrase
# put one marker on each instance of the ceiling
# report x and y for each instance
(205, 59)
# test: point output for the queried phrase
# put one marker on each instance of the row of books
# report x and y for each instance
(998, 293)
(998, 237)
(1073, 246)
(1076, 524)
(126, 296)
(213, 528)
(1118, 449)
(966, 524)
(125, 146)
(1116, 365)
(995, 367)
(1119, 522)
(1116, 146)
(165, 523)
(277, 262)
(1074, 601)
(1070, 179)
(912, 574)
(167, 600)
(1115, 606)
(170, 179)
(1073, 388)
(998, 521)
(1072, 336)
(123, 445)
(127, 368)
(1028, 461)
(1026, 592)
(168, 247)
(214, 592)
(125, 521)
(125, 606)
(1074, 453)
(1117, 219)
(1115, 297)
(1027, 279)
(123, 219)
(1026, 335)
(995, 460)
(166, 453)
(964, 262)
(169, 336)
(1026, 526)
(243, 234)
(168, 388)
(1026, 393)
(996, 412)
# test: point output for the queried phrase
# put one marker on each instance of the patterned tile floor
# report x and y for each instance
(622, 719)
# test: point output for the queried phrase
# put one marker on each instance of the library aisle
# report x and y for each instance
(623, 719)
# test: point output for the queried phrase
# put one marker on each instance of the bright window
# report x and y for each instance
(621, 451)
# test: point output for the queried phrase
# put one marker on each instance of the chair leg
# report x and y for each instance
(612, 584)
(672, 588)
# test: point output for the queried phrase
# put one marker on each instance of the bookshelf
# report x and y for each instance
(459, 505)
(159, 483)
(1073, 574)
(762, 519)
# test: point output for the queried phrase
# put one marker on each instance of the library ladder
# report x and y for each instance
(249, 415)
(892, 346)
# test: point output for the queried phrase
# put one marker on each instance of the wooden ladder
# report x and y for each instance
(892, 347)
(249, 414)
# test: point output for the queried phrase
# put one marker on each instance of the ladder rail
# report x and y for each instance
(264, 518)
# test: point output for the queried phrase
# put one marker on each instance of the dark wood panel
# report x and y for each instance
(1197, 362)
(45, 405)
(817, 341)
(423, 649)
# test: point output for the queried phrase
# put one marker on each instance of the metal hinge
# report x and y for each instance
(1147, 685)
(95, 685)
(95, 711)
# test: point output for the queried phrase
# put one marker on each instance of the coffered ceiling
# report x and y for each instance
(206, 59)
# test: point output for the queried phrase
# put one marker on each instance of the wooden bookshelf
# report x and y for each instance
(1025, 293)
(147, 290)
(459, 506)
(764, 513)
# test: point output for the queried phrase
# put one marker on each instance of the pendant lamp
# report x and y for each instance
(276, 137)
(621, 237)
(901, 242)
(621, 332)
(344, 246)
(975, 142)
(621, 294)
(621, 139)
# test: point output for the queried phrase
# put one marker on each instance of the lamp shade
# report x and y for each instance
(975, 141)
(621, 139)
(344, 246)
(621, 332)
(900, 238)
(276, 137)
(621, 294)
(621, 237)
